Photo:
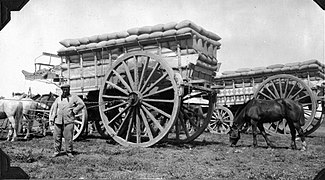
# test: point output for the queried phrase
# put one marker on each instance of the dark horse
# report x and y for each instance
(257, 112)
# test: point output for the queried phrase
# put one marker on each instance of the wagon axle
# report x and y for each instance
(135, 98)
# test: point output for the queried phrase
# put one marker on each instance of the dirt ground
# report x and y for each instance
(208, 157)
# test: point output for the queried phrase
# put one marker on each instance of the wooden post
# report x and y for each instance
(96, 73)
(81, 73)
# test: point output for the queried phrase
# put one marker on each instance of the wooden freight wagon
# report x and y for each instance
(301, 81)
(137, 83)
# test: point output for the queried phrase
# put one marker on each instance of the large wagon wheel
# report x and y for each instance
(192, 121)
(139, 100)
(289, 86)
(221, 120)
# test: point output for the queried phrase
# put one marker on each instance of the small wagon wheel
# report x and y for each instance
(288, 86)
(80, 123)
(221, 120)
(139, 100)
(191, 121)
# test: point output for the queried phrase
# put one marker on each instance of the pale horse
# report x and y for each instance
(13, 110)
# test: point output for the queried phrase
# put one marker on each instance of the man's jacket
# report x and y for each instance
(63, 110)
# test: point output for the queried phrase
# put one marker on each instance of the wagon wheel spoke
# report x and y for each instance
(268, 97)
(118, 88)
(291, 89)
(149, 77)
(302, 97)
(275, 90)
(155, 121)
(149, 130)
(158, 92)
(296, 94)
(270, 92)
(116, 106)
(136, 73)
(129, 76)
(119, 115)
(280, 88)
(144, 69)
(158, 100)
(157, 109)
(286, 88)
(115, 97)
(126, 85)
(155, 83)
(130, 124)
(127, 120)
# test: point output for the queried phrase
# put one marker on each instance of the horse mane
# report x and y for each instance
(242, 107)
(239, 110)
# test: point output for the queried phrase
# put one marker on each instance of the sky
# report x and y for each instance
(254, 32)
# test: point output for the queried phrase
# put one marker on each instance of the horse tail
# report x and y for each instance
(301, 115)
(19, 113)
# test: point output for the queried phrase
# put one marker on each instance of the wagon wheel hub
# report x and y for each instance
(135, 98)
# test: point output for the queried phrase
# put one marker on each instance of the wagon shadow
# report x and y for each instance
(261, 147)
(192, 144)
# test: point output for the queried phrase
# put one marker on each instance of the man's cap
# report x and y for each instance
(65, 86)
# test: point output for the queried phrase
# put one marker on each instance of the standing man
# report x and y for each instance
(62, 116)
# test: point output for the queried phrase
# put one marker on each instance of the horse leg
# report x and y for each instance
(43, 123)
(9, 131)
(293, 135)
(254, 129)
(29, 128)
(302, 136)
(14, 128)
(267, 140)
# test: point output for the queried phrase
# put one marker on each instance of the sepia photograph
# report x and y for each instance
(162, 89)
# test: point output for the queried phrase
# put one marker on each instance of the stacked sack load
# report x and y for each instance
(239, 85)
(314, 68)
(202, 42)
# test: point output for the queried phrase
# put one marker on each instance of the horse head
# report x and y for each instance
(239, 120)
